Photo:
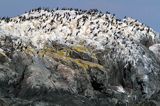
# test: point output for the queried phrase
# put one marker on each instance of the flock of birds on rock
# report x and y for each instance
(91, 27)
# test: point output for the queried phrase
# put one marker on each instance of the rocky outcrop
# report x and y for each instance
(76, 57)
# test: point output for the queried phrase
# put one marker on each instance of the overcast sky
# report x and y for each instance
(146, 11)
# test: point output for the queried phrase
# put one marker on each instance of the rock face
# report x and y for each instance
(77, 57)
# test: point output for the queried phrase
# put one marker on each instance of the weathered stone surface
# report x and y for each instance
(106, 69)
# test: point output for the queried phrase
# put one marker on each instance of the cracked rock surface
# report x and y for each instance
(78, 58)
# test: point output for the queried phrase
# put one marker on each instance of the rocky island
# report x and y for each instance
(73, 57)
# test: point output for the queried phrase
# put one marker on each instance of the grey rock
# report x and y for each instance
(126, 72)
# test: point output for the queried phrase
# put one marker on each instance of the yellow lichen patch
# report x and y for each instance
(83, 49)
(62, 56)
(56, 56)
(80, 48)
(81, 64)
(86, 64)
(63, 52)
(53, 51)
(67, 52)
